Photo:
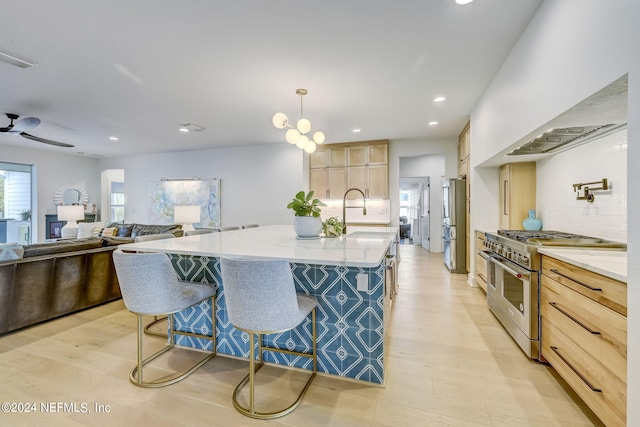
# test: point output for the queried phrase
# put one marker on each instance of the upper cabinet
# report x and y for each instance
(337, 167)
(517, 193)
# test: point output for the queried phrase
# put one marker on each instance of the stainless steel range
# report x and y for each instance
(513, 282)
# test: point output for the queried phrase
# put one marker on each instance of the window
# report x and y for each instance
(117, 201)
(15, 202)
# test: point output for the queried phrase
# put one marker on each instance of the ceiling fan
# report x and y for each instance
(28, 123)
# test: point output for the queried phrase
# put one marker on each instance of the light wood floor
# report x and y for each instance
(449, 363)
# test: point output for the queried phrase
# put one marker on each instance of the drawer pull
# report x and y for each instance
(555, 305)
(555, 350)
(553, 270)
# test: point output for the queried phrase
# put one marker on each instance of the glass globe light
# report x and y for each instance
(318, 137)
(304, 126)
(311, 147)
(292, 136)
(303, 141)
(280, 120)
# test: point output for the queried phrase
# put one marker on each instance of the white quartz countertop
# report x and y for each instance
(277, 242)
(609, 263)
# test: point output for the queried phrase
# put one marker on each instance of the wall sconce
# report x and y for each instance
(186, 215)
(587, 195)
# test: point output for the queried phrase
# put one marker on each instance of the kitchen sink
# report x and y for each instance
(578, 243)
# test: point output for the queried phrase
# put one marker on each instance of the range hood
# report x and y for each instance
(560, 139)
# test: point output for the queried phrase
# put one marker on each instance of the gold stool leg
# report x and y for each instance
(253, 369)
(156, 320)
(136, 375)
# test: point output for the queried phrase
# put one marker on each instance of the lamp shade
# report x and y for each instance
(304, 126)
(186, 214)
(279, 120)
(291, 136)
(70, 212)
(318, 137)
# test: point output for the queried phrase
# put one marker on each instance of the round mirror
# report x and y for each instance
(70, 194)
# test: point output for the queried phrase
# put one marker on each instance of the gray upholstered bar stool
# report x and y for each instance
(197, 231)
(261, 299)
(156, 319)
(150, 287)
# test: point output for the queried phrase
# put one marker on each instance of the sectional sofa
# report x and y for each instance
(49, 280)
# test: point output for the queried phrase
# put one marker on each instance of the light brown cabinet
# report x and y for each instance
(517, 193)
(481, 263)
(363, 165)
(584, 335)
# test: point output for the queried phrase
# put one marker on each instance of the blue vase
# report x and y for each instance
(532, 223)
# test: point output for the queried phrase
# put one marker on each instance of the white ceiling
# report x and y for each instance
(136, 69)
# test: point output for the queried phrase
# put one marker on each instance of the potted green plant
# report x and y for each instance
(307, 223)
(332, 227)
(25, 214)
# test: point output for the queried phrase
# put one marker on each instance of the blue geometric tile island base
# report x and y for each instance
(349, 322)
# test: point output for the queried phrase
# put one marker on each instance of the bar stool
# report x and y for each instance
(156, 319)
(197, 231)
(150, 286)
(261, 299)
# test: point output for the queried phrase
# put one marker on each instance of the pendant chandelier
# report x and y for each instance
(298, 135)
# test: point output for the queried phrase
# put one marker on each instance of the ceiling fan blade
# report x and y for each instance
(25, 124)
(46, 141)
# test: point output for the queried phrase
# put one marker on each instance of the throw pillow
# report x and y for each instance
(11, 251)
(109, 232)
(85, 229)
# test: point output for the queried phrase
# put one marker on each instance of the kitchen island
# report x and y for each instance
(346, 274)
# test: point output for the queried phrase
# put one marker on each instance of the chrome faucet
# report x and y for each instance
(344, 207)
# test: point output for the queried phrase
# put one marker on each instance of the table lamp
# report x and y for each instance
(71, 214)
(186, 215)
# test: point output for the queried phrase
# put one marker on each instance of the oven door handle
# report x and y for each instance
(514, 271)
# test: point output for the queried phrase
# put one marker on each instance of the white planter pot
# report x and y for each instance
(307, 226)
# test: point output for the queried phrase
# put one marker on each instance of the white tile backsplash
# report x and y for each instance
(378, 211)
(557, 206)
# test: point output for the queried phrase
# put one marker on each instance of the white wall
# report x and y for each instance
(52, 170)
(570, 50)
(432, 166)
(557, 207)
(257, 182)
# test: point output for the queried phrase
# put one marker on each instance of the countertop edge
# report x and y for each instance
(612, 271)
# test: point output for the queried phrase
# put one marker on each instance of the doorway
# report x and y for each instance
(414, 211)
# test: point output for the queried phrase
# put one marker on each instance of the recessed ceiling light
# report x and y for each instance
(439, 99)
(186, 127)
(463, 1)
(433, 123)
(356, 130)
(114, 138)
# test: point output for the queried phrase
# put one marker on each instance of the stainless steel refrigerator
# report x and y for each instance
(454, 224)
